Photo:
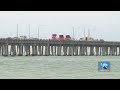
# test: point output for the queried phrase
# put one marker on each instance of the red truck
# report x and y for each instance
(54, 36)
(67, 37)
(61, 37)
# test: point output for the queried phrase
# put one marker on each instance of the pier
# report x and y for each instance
(41, 47)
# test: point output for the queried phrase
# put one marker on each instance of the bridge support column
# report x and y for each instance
(26, 50)
(51, 47)
(39, 50)
(34, 50)
(65, 50)
(54, 50)
(0, 50)
(5, 50)
(97, 50)
(58, 50)
(116, 51)
(75, 50)
(20, 49)
(70, 51)
(85, 50)
(13, 50)
(42, 48)
(103, 51)
(82, 50)
(119, 51)
(79, 50)
(106, 50)
(112, 51)
(47, 50)
(91, 50)
(100, 51)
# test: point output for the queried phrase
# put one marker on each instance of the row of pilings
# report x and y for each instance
(58, 50)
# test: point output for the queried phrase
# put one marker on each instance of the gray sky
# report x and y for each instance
(102, 24)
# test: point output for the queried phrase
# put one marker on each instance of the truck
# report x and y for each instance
(23, 37)
(87, 39)
(67, 37)
(54, 36)
(61, 37)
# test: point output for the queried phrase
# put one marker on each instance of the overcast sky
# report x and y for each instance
(102, 24)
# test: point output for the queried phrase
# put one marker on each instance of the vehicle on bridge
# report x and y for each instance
(90, 39)
(101, 40)
(16, 38)
(67, 37)
(23, 37)
(87, 39)
(9, 38)
(61, 37)
(54, 36)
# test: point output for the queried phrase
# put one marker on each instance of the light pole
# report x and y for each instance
(88, 33)
(84, 32)
(38, 29)
(73, 31)
(29, 31)
(38, 32)
(17, 30)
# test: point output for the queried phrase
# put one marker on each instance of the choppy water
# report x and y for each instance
(58, 67)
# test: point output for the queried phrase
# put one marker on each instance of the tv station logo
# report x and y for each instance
(104, 66)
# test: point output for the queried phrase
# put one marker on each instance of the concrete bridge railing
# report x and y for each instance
(18, 47)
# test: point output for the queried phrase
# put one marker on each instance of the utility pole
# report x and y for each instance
(17, 30)
(73, 32)
(88, 33)
(38, 29)
(84, 32)
(29, 31)
(38, 32)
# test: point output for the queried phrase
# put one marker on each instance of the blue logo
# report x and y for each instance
(104, 66)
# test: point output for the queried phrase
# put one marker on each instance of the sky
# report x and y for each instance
(102, 24)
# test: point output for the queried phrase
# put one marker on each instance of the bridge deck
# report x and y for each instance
(57, 42)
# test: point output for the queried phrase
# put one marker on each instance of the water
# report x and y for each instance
(57, 67)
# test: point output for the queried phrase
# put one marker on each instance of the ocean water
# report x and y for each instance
(57, 67)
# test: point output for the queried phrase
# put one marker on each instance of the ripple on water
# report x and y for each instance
(57, 67)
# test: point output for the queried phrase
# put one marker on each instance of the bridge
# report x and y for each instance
(43, 47)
